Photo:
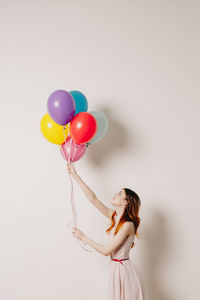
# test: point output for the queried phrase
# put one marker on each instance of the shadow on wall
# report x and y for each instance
(116, 139)
(157, 249)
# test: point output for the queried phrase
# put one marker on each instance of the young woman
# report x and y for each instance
(125, 280)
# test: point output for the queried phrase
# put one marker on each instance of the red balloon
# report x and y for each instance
(82, 127)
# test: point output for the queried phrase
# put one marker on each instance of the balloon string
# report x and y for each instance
(74, 212)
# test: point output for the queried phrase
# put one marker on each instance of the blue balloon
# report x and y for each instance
(102, 126)
(80, 101)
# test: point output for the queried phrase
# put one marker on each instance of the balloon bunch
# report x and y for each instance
(69, 125)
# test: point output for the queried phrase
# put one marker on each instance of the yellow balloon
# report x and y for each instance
(52, 131)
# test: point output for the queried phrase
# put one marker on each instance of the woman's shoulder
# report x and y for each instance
(129, 226)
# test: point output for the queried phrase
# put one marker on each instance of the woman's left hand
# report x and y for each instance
(78, 233)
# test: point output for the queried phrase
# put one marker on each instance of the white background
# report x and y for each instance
(138, 62)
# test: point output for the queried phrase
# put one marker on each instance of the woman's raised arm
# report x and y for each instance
(106, 211)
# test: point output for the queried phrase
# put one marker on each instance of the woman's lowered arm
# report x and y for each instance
(114, 243)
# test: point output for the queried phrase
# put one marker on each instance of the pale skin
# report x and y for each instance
(118, 202)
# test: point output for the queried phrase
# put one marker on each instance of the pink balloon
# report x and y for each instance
(77, 150)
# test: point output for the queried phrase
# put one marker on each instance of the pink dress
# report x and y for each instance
(125, 280)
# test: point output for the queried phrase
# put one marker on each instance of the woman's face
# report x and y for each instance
(119, 198)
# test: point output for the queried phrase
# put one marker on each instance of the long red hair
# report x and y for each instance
(131, 213)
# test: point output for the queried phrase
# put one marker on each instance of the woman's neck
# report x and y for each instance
(119, 212)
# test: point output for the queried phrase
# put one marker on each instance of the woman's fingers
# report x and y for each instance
(69, 168)
(73, 231)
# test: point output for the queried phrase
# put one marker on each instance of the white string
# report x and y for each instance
(74, 213)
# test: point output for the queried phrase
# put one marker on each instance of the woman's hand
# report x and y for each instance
(71, 170)
(78, 233)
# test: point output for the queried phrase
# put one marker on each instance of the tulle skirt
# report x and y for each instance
(125, 282)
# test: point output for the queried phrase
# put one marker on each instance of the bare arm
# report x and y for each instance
(115, 241)
(106, 211)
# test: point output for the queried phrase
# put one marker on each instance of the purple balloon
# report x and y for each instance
(61, 107)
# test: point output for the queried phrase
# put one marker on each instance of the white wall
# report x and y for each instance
(138, 62)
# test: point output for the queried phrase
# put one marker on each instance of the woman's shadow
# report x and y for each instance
(157, 249)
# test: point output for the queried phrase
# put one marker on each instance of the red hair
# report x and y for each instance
(131, 213)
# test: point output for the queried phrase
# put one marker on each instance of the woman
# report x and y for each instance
(125, 280)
